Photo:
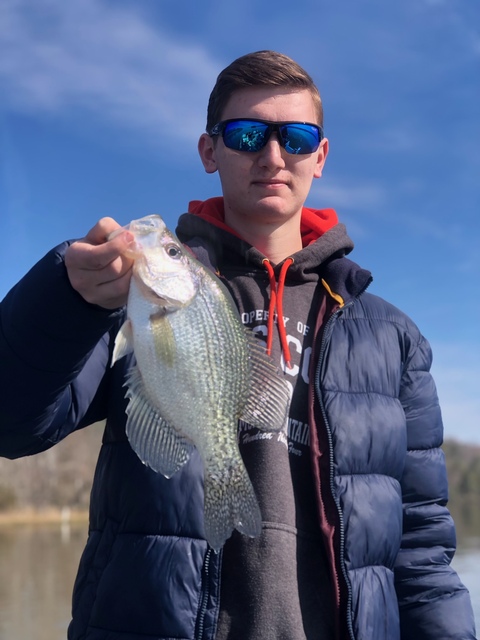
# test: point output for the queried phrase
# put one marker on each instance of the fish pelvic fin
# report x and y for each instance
(157, 443)
(269, 398)
(230, 503)
(123, 342)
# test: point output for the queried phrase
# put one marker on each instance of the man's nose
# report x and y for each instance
(272, 153)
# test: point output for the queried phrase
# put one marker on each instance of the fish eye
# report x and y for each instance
(173, 251)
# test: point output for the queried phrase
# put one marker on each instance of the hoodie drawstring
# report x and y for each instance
(276, 302)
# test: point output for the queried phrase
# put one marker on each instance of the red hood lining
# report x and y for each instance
(314, 222)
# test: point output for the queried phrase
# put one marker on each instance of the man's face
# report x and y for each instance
(270, 185)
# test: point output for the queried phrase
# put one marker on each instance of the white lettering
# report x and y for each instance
(293, 371)
(256, 315)
(261, 330)
(261, 435)
(302, 328)
(299, 432)
(282, 438)
(293, 451)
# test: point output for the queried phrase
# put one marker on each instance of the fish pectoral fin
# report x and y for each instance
(269, 398)
(163, 338)
(157, 443)
(123, 342)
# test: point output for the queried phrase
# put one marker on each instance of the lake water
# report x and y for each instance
(38, 564)
(467, 564)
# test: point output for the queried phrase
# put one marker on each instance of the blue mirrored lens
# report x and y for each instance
(299, 138)
(243, 135)
(252, 135)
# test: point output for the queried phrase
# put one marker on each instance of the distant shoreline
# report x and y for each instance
(43, 516)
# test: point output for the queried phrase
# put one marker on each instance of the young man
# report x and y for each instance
(356, 539)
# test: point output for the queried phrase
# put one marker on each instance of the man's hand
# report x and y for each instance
(97, 267)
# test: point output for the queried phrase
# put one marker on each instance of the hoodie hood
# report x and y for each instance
(221, 249)
(214, 242)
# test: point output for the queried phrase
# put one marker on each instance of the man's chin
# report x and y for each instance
(275, 207)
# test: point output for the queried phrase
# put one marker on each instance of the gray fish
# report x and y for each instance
(198, 371)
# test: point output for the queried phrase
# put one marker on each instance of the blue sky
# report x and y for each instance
(102, 103)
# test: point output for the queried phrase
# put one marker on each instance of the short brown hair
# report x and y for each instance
(261, 68)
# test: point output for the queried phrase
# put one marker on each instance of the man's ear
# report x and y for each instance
(206, 149)
(322, 153)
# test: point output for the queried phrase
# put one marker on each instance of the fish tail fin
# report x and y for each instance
(230, 503)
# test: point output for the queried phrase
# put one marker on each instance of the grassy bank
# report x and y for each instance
(43, 516)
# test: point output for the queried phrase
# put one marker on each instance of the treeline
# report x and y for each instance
(59, 477)
(463, 466)
(62, 477)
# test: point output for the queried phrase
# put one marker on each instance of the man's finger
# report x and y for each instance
(99, 233)
(86, 255)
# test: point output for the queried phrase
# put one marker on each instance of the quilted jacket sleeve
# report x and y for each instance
(434, 604)
(54, 354)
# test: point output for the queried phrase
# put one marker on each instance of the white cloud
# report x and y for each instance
(348, 194)
(109, 61)
(350, 198)
(397, 138)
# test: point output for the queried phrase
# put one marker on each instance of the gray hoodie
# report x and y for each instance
(276, 586)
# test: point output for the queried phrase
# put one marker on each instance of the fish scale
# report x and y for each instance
(198, 371)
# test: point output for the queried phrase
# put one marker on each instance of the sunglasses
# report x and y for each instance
(245, 134)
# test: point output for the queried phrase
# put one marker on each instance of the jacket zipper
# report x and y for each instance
(205, 595)
(325, 337)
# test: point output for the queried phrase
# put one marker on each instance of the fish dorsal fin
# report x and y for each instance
(155, 441)
(269, 399)
(123, 342)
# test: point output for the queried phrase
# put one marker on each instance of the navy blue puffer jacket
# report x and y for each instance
(147, 572)
(387, 477)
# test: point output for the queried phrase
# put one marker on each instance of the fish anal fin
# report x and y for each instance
(157, 443)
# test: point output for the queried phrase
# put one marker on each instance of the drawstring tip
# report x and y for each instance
(288, 364)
